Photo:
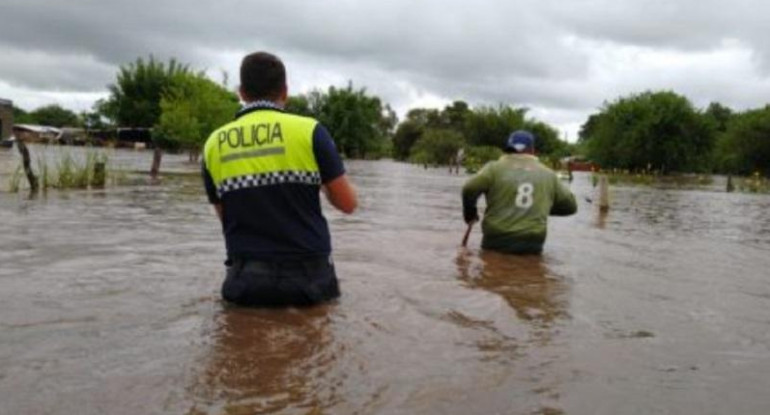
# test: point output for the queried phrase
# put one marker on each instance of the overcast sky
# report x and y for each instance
(561, 58)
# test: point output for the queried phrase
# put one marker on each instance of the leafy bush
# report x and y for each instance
(476, 157)
(437, 147)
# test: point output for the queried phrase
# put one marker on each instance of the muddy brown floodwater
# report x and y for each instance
(109, 304)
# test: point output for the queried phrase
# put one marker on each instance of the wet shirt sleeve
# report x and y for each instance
(564, 203)
(208, 183)
(473, 188)
(329, 162)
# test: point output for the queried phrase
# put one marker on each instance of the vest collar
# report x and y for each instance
(256, 106)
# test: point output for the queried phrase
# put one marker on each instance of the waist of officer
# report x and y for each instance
(309, 261)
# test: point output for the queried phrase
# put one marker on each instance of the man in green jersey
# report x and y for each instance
(520, 193)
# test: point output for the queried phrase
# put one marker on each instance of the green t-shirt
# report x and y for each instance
(520, 192)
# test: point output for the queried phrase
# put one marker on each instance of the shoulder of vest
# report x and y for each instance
(298, 118)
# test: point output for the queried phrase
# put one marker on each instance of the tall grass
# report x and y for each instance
(64, 171)
(16, 178)
(754, 184)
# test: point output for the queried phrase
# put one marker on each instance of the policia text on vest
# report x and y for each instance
(261, 134)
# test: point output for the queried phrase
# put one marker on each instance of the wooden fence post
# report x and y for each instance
(33, 183)
(604, 193)
(157, 156)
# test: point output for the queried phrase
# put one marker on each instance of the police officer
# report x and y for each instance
(520, 194)
(263, 173)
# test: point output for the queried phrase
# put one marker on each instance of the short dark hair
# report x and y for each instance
(263, 76)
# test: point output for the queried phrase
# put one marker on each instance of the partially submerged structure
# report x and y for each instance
(36, 133)
(6, 118)
(577, 163)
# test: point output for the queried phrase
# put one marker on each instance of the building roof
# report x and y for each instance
(7, 102)
(40, 129)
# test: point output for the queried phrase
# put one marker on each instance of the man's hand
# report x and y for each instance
(471, 215)
(218, 209)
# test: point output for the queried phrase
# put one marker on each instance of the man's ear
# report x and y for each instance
(242, 95)
(284, 93)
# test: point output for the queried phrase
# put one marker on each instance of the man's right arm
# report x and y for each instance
(211, 190)
(473, 189)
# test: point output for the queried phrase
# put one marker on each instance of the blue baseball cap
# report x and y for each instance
(520, 141)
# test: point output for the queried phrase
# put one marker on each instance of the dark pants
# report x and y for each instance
(280, 283)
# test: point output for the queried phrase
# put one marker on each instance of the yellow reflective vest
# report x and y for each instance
(262, 147)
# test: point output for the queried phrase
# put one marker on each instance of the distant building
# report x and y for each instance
(6, 118)
(73, 136)
(36, 133)
(577, 163)
(131, 136)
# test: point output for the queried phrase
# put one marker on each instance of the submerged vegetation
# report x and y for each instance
(65, 171)
(616, 176)
(755, 183)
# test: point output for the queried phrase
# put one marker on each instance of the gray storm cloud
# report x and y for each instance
(483, 51)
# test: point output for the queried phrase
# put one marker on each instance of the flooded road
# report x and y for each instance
(109, 303)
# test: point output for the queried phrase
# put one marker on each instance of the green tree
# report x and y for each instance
(299, 105)
(136, 94)
(354, 119)
(746, 145)
(388, 122)
(453, 116)
(547, 141)
(660, 130)
(481, 127)
(411, 129)
(719, 115)
(55, 116)
(91, 120)
(588, 129)
(407, 133)
(489, 126)
(437, 146)
(21, 117)
(191, 108)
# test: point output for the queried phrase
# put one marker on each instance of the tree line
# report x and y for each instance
(432, 136)
(183, 106)
(664, 132)
(657, 131)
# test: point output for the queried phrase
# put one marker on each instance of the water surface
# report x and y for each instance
(109, 303)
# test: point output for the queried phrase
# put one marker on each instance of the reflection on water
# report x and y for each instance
(266, 361)
(601, 218)
(522, 281)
